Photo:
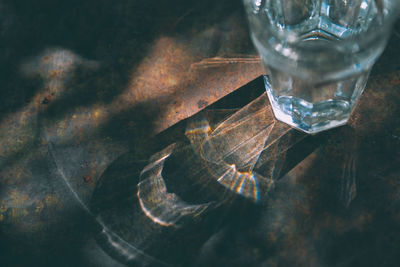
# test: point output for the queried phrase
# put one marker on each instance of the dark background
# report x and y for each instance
(66, 58)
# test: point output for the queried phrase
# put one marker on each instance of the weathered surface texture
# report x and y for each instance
(89, 90)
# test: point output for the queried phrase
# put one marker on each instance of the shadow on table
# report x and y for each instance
(223, 217)
(59, 57)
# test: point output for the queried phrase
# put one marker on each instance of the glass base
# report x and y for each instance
(308, 117)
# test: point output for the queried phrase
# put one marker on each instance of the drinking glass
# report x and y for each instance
(317, 55)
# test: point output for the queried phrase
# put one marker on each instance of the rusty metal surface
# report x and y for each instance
(85, 85)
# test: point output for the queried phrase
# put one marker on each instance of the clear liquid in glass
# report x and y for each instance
(318, 55)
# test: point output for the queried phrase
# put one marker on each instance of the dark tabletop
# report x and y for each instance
(138, 133)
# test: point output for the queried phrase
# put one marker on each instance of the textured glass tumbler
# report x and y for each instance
(317, 55)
